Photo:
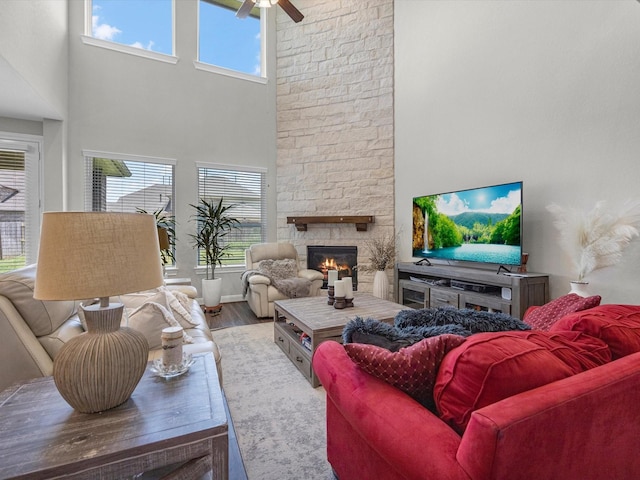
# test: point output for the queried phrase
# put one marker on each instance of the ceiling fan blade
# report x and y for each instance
(245, 9)
(292, 11)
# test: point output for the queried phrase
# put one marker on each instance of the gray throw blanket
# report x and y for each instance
(411, 326)
(283, 276)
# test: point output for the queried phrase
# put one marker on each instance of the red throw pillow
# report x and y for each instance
(411, 369)
(489, 367)
(543, 317)
(617, 325)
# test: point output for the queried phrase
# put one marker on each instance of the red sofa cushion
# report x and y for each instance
(489, 367)
(617, 325)
(577, 350)
(543, 317)
(411, 369)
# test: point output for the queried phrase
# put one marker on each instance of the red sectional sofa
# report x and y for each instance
(562, 404)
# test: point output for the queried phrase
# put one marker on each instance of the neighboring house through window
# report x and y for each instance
(19, 200)
(245, 189)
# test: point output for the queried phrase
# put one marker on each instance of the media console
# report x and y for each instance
(424, 286)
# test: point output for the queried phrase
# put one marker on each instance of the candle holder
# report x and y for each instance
(339, 303)
(349, 302)
(330, 295)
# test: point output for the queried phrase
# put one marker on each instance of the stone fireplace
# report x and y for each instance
(341, 258)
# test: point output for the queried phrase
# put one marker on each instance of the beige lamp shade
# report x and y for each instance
(96, 254)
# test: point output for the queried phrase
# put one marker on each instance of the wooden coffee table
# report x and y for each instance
(320, 321)
(176, 422)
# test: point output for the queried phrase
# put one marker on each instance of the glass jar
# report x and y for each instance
(172, 346)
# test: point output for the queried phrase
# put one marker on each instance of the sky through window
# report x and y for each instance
(224, 40)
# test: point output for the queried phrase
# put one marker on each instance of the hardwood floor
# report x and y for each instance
(233, 315)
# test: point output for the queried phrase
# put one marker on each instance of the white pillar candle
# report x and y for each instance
(333, 276)
(338, 288)
(348, 287)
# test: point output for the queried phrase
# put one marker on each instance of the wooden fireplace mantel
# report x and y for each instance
(361, 221)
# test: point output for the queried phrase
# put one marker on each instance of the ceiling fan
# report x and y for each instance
(286, 5)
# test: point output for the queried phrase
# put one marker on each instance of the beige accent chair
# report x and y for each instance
(261, 294)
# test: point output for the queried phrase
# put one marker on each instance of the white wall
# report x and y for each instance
(33, 82)
(33, 58)
(126, 104)
(546, 92)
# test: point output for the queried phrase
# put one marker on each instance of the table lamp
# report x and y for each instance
(88, 255)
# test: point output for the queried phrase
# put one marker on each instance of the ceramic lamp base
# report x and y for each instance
(100, 368)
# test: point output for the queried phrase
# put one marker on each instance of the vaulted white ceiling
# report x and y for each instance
(18, 99)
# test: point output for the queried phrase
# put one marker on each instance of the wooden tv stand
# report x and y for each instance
(424, 286)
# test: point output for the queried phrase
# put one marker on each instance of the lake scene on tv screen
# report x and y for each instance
(476, 225)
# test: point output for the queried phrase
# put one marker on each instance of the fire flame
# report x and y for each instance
(331, 264)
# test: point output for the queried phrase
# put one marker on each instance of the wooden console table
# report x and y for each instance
(424, 286)
(179, 422)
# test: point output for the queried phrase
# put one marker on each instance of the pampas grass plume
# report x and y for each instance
(596, 239)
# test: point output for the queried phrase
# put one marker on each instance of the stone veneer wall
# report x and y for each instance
(335, 122)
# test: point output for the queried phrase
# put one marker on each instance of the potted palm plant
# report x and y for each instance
(166, 234)
(213, 223)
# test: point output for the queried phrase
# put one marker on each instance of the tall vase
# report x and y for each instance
(381, 285)
(580, 288)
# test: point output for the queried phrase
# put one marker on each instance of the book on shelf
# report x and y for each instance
(305, 340)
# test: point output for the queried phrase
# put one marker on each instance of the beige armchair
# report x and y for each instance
(261, 293)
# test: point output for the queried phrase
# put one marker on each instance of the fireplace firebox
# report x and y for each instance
(343, 259)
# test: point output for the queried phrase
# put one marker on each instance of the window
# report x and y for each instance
(229, 42)
(19, 202)
(128, 184)
(141, 27)
(245, 189)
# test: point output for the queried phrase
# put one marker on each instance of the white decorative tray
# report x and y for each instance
(169, 371)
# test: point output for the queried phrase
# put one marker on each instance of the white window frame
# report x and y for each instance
(32, 146)
(88, 38)
(262, 78)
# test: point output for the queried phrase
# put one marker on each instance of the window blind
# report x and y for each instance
(246, 191)
(14, 212)
(128, 186)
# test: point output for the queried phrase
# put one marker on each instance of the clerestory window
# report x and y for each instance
(139, 27)
(230, 43)
(245, 189)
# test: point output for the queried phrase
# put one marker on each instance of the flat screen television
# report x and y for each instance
(476, 225)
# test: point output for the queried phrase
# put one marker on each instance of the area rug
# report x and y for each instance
(279, 418)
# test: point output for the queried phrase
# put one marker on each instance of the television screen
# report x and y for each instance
(476, 225)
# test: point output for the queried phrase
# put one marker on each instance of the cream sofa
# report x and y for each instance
(261, 293)
(33, 331)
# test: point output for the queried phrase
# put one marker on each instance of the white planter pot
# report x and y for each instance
(211, 292)
(381, 285)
